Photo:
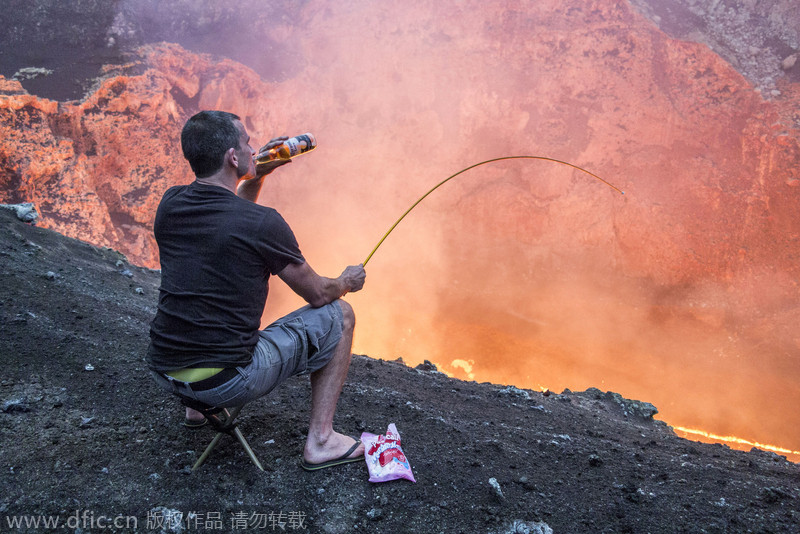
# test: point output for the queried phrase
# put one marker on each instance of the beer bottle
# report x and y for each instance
(290, 148)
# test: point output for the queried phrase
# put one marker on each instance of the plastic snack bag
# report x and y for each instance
(385, 458)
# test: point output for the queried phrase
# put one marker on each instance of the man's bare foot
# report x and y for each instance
(336, 446)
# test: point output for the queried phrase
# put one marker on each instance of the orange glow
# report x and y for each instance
(571, 337)
(682, 293)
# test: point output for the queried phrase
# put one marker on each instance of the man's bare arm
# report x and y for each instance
(250, 187)
(319, 290)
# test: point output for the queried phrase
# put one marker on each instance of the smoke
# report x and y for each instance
(682, 293)
(252, 32)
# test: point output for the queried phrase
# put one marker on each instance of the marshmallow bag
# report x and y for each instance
(385, 458)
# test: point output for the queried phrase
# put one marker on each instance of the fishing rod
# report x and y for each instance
(434, 188)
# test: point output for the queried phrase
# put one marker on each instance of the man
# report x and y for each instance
(218, 249)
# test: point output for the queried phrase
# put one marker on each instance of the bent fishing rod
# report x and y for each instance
(434, 188)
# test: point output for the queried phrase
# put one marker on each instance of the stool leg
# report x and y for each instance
(233, 413)
(230, 416)
(206, 452)
(247, 448)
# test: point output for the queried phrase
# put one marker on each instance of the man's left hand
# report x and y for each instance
(263, 169)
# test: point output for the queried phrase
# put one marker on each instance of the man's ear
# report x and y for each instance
(232, 158)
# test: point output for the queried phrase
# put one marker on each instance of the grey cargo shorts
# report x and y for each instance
(299, 343)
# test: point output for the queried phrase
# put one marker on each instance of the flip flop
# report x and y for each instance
(194, 424)
(343, 459)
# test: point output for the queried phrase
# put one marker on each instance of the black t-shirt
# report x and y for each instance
(217, 254)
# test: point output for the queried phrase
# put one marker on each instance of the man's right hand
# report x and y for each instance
(353, 277)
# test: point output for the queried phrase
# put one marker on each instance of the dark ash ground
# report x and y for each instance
(106, 443)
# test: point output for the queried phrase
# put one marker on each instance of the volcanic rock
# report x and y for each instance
(97, 168)
(26, 211)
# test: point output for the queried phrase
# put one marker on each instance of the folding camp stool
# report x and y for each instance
(224, 422)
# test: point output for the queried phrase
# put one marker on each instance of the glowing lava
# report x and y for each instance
(736, 443)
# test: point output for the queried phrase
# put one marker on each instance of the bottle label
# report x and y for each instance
(299, 144)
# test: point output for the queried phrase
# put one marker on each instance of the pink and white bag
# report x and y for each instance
(385, 458)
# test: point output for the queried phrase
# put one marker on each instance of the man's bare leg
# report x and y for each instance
(322, 443)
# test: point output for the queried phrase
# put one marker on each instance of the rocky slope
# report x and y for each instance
(88, 439)
(760, 39)
(96, 168)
